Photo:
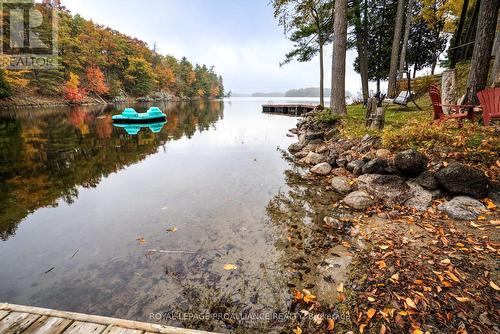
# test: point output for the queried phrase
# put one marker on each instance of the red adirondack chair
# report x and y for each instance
(490, 102)
(455, 111)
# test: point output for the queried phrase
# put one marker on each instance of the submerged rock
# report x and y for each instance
(295, 147)
(341, 184)
(461, 179)
(410, 163)
(463, 208)
(391, 189)
(323, 168)
(313, 158)
(421, 198)
(359, 200)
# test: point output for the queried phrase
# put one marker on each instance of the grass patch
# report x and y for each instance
(471, 143)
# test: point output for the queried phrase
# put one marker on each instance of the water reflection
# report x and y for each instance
(133, 129)
(45, 154)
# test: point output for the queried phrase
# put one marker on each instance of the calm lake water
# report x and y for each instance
(82, 204)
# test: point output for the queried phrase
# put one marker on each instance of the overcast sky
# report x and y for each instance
(240, 38)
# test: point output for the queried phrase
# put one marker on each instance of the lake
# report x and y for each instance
(145, 226)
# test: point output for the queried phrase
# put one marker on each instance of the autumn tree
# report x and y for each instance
(5, 90)
(95, 81)
(140, 78)
(72, 90)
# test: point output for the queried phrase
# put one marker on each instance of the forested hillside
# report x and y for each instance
(98, 61)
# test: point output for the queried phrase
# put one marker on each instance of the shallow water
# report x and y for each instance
(97, 221)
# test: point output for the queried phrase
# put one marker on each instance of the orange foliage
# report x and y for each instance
(72, 91)
(96, 82)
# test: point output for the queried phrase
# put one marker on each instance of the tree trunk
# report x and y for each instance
(337, 101)
(321, 76)
(396, 42)
(485, 34)
(414, 71)
(495, 71)
(433, 66)
(458, 34)
(361, 36)
(378, 86)
(402, 58)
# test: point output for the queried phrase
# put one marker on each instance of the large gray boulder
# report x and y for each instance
(421, 199)
(359, 200)
(463, 208)
(341, 184)
(391, 189)
(323, 168)
(461, 179)
(410, 163)
(313, 158)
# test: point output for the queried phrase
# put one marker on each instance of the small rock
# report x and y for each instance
(341, 185)
(359, 200)
(375, 166)
(355, 167)
(421, 199)
(323, 168)
(313, 158)
(427, 180)
(341, 162)
(331, 134)
(461, 179)
(301, 154)
(314, 135)
(463, 208)
(367, 157)
(383, 153)
(410, 163)
(295, 147)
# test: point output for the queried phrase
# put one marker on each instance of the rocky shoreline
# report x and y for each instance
(419, 236)
(367, 174)
(20, 102)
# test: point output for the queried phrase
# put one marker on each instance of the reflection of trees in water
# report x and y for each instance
(46, 154)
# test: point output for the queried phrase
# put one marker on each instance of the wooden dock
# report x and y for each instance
(17, 319)
(287, 109)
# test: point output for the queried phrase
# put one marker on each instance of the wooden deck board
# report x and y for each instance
(48, 325)
(121, 330)
(3, 314)
(17, 322)
(20, 319)
(79, 327)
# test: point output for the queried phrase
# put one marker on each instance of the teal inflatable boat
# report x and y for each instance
(130, 116)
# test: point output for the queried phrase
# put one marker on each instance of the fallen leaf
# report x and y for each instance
(297, 330)
(384, 247)
(362, 328)
(331, 324)
(417, 331)
(371, 312)
(371, 299)
(141, 240)
(230, 267)
(461, 299)
(340, 287)
(446, 261)
(381, 264)
(318, 319)
(494, 286)
(298, 295)
(309, 298)
(395, 277)
(383, 329)
(172, 229)
(410, 303)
